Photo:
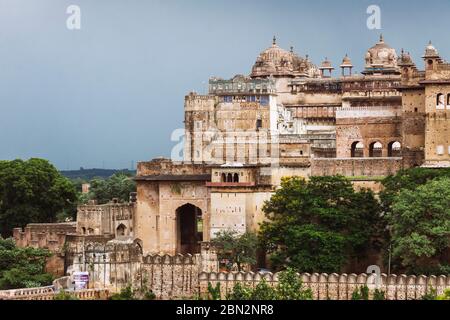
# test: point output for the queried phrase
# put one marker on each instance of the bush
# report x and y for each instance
(63, 295)
(430, 295)
(128, 293)
(445, 296)
(214, 292)
(361, 293)
(289, 288)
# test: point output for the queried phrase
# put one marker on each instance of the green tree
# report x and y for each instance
(238, 249)
(408, 179)
(420, 227)
(320, 225)
(119, 186)
(22, 267)
(33, 191)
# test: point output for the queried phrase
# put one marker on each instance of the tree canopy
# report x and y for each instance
(319, 225)
(408, 179)
(22, 267)
(32, 191)
(119, 186)
(420, 227)
(237, 249)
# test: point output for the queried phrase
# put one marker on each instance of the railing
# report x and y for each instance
(48, 293)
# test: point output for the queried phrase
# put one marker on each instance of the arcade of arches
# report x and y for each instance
(376, 149)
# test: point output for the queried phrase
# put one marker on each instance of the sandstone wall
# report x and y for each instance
(333, 286)
(51, 236)
(354, 167)
(117, 264)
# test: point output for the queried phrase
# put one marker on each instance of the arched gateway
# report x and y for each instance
(189, 229)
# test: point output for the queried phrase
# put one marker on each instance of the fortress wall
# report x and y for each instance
(186, 276)
(333, 286)
(51, 236)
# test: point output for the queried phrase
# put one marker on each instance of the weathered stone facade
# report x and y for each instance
(51, 236)
(116, 264)
(289, 117)
(113, 218)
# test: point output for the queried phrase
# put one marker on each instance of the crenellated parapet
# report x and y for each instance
(334, 286)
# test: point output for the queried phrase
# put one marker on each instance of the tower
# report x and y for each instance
(437, 109)
(346, 66)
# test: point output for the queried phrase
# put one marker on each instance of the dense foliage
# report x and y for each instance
(320, 225)
(33, 191)
(408, 179)
(237, 249)
(420, 227)
(119, 186)
(22, 267)
(289, 287)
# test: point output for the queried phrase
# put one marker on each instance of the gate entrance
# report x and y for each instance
(189, 229)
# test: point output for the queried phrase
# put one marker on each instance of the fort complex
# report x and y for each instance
(289, 117)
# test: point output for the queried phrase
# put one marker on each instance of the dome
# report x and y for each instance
(430, 51)
(405, 59)
(276, 61)
(326, 64)
(381, 56)
(346, 62)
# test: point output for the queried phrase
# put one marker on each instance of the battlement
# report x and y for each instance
(44, 235)
(334, 286)
(161, 167)
(241, 85)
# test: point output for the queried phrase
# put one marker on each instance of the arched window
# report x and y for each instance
(229, 177)
(375, 149)
(90, 231)
(121, 230)
(357, 149)
(440, 103)
(236, 178)
(224, 177)
(394, 149)
(83, 230)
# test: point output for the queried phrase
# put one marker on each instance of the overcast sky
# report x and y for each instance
(113, 91)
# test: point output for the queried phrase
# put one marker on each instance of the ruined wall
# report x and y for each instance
(51, 236)
(112, 218)
(114, 265)
(159, 167)
(367, 125)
